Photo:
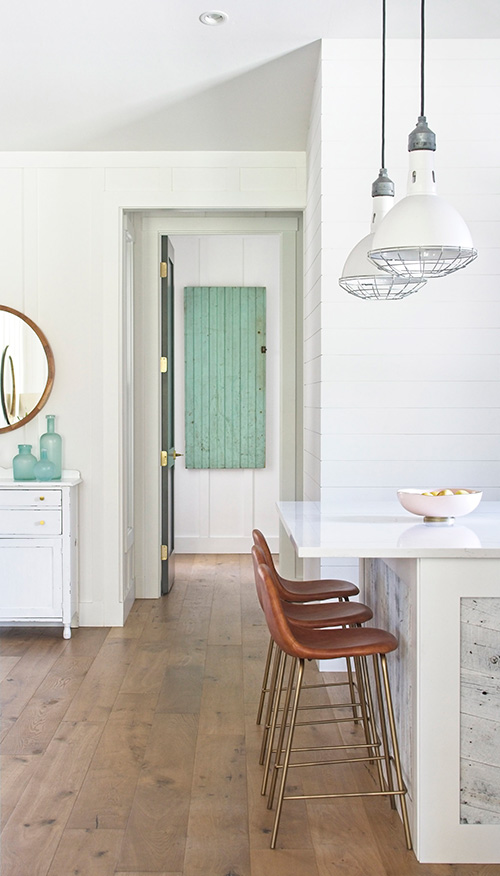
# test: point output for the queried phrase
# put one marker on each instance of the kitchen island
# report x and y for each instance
(437, 588)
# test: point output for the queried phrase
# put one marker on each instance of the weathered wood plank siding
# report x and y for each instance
(225, 415)
(390, 599)
(480, 711)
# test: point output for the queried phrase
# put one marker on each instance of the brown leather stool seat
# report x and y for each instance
(303, 644)
(306, 591)
(312, 615)
(301, 591)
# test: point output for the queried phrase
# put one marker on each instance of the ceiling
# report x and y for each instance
(147, 75)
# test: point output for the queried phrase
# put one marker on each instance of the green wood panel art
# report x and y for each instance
(225, 378)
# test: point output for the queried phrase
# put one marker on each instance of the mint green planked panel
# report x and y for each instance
(225, 368)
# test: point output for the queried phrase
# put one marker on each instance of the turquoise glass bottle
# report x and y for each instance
(52, 443)
(23, 465)
(45, 468)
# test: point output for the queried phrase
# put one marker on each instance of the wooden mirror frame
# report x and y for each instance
(50, 367)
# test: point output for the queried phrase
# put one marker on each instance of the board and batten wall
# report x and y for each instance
(402, 393)
(216, 509)
(61, 228)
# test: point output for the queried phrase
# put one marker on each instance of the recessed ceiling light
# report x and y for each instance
(213, 18)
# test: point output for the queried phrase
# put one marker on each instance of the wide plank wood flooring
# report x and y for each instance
(134, 751)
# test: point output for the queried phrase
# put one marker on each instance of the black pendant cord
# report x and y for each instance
(422, 56)
(382, 159)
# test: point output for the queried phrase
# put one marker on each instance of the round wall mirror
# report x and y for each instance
(26, 369)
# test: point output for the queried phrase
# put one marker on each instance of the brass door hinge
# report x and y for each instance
(163, 270)
(164, 552)
(164, 458)
(163, 365)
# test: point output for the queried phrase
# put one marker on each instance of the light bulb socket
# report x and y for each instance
(382, 185)
(421, 137)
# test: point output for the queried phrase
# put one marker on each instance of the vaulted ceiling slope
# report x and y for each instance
(147, 75)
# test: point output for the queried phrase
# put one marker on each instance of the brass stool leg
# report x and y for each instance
(395, 748)
(281, 737)
(270, 703)
(362, 699)
(265, 680)
(288, 748)
(350, 680)
(372, 725)
(368, 715)
(274, 721)
(383, 729)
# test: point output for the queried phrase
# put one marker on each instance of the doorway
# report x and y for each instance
(285, 229)
(167, 415)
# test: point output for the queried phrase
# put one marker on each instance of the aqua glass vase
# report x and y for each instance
(52, 443)
(45, 468)
(23, 465)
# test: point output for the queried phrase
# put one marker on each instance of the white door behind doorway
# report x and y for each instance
(216, 510)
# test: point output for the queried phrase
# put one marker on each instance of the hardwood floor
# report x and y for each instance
(134, 751)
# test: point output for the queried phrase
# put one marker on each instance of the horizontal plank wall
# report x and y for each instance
(408, 391)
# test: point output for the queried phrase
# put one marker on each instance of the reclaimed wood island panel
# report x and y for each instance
(437, 588)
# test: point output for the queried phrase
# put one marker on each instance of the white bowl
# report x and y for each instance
(440, 507)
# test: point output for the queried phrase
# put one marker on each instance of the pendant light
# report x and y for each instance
(422, 236)
(360, 276)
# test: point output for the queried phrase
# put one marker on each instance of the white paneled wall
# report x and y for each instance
(409, 390)
(61, 227)
(216, 510)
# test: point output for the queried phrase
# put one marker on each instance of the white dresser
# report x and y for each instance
(39, 551)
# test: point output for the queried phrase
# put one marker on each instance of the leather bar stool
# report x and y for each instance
(306, 591)
(315, 615)
(300, 592)
(312, 644)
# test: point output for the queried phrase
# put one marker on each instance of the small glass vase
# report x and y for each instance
(45, 468)
(52, 443)
(23, 465)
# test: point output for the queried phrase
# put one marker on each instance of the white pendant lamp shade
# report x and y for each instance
(423, 236)
(360, 277)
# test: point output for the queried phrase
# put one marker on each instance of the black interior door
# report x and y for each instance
(167, 415)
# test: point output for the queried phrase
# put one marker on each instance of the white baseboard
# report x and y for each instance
(219, 545)
(129, 601)
(337, 664)
(93, 614)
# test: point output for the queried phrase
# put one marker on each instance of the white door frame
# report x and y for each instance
(147, 391)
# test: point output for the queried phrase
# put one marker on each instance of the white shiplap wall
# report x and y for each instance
(60, 263)
(409, 390)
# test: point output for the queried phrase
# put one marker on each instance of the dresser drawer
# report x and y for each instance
(24, 521)
(30, 498)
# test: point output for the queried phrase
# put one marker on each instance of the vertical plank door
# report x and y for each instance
(225, 407)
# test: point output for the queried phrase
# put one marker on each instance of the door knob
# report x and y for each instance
(175, 454)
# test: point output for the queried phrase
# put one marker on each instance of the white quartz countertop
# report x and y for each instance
(385, 529)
